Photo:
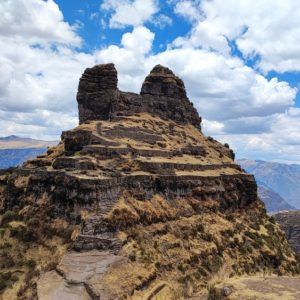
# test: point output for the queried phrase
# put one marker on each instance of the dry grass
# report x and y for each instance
(30, 245)
(190, 250)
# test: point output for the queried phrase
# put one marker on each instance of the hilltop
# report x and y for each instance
(133, 203)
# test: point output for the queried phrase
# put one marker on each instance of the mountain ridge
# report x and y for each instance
(282, 178)
(14, 150)
(16, 142)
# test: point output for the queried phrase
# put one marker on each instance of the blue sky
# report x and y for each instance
(96, 35)
(240, 63)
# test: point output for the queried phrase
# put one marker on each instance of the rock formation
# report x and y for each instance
(142, 200)
(162, 94)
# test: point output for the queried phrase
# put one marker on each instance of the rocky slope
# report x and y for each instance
(284, 179)
(133, 203)
(290, 222)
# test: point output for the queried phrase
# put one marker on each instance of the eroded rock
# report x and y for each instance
(162, 94)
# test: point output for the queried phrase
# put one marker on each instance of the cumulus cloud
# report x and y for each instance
(38, 65)
(36, 22)
(269, 30)
(162, 21)
(130, 57)
(224, 88)
(129, 12)
(188, 9)
(280, 142)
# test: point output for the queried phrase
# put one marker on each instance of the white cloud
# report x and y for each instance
(224, 88)
(161, 21)
(36, 22)
(139, 41)
(268, 28)
(39, 69)
(188, 9)
(281, 142)
(129, 12)
(129, 58)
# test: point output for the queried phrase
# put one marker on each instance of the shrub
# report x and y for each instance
(230, 218)
(200, 227)
(8, 216)
(255, 226)
(245, 248)
(132, 257)
(7, 260)
(208, 237)
(270, 227)
(194, 259)
(3, 284)
(2, 232)
(272, 220)
(14, 278)
(185, 279)
(25, 234)
(214, 293)
(181, 268)
(251, 235)
(33, 222)
(31, 263)
(7, 279)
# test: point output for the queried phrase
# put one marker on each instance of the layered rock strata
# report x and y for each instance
(162, 94)
(152, 200)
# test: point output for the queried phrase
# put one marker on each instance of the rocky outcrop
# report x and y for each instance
(162, 82)
(141, 199)
(162, 94)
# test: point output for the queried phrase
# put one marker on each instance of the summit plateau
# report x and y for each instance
(134, 203)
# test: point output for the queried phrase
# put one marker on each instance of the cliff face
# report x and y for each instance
(145, 203)
(290, 222)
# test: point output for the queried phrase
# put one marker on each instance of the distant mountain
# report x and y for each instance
(290, 222)
(283, 179)
(15, 142)
(15, 150)
(273, 201)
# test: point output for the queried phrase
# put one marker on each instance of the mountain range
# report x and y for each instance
(14, 150)
(282, 178)
(273, 201)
